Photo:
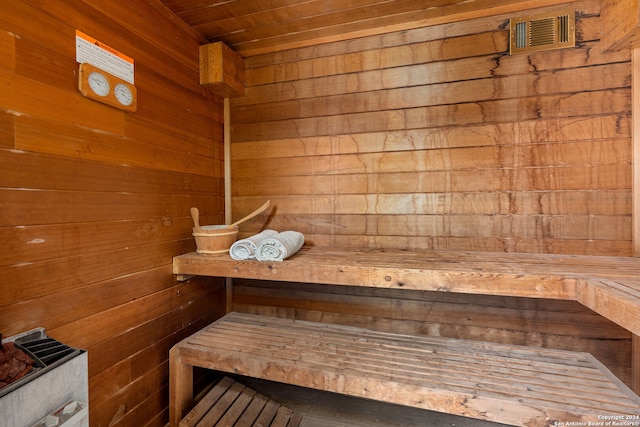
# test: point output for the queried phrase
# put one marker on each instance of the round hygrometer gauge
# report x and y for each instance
(123, 94)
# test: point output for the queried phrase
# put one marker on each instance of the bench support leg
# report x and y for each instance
(229, 294)
(180, 388)
(635, 363)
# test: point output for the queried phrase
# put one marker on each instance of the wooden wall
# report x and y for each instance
(94, 202)
(437, 138)
(426, 138)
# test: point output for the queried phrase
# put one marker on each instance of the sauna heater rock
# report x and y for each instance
(60, 376)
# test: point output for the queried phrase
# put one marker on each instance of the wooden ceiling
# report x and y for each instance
(253, 27)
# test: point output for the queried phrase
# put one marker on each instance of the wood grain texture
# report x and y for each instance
(95, 202)
(636, 153)
(564, 325)
(607, 285)
(621, 24)
(222, 70)
(635, 364)
(507, 384)
(230, 403)
(272, 26)
(422, 140)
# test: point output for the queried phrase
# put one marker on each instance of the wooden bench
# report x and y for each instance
(508, 384)
(608, 285)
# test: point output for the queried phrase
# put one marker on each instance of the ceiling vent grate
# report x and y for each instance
(542, 32)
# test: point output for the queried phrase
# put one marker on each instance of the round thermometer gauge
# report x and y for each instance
(102, 86)
(123, 94)
(99, 83)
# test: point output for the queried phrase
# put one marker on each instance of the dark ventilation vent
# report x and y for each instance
(542, 32)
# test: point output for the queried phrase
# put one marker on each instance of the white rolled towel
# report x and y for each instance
(246, 248)
(280, 246)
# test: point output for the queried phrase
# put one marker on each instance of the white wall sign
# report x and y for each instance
(104, 57)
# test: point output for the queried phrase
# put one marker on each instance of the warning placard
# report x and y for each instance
(104, 57)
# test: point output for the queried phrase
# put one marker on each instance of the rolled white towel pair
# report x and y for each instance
(268, 245)
(246, 248)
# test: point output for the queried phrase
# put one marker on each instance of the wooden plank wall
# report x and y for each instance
(437, 138)
(94, 202)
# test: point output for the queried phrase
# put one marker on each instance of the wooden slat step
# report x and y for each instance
(509, 384)
(230, 403)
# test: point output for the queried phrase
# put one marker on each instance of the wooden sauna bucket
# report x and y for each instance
(215, 239)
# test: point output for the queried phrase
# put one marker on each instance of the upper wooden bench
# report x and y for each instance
(609, 286)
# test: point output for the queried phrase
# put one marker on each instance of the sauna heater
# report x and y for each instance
(54, 393)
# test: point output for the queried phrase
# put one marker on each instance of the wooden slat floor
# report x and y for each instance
(231, 403)
(324, 409)
(315, 408)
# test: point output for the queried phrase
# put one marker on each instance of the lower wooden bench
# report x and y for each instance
(230, 403)
(508, 384)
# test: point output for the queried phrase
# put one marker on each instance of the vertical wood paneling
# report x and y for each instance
(635, 364)
(636, 151)
(422, 140)
(94, 202)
